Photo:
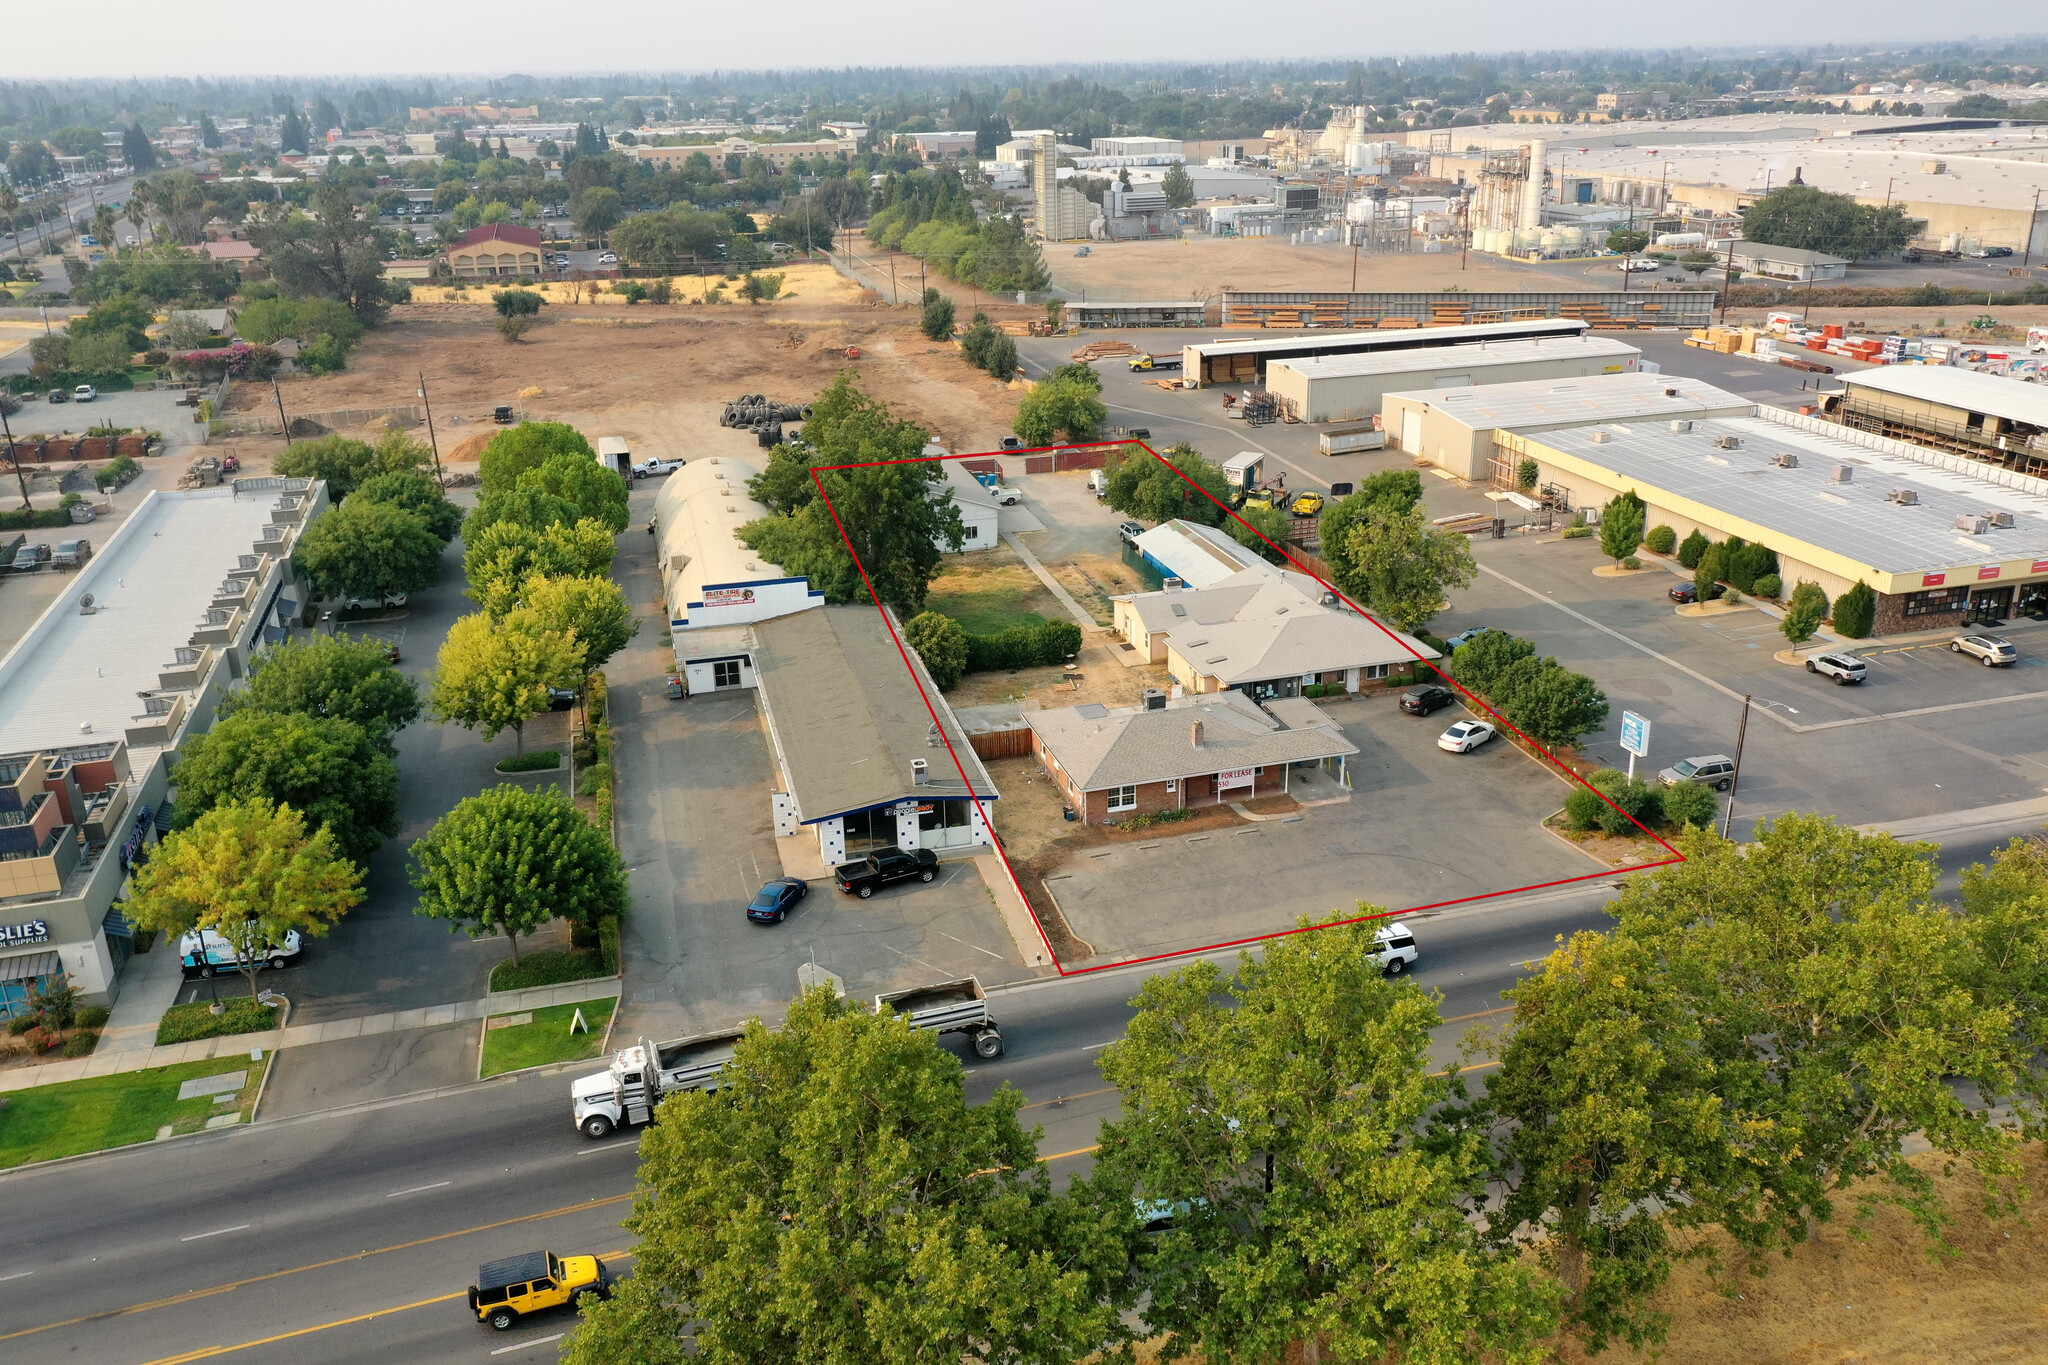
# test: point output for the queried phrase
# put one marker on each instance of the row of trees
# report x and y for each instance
(931, 214)
(1540, 697)
(1747, 1054)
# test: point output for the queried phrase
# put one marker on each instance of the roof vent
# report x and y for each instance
(1970, 524)
(1671, 393)
(85, 727)
(920, 773)
(1601, 438)
(1904, 497)
(1999, 518)
(85, 605)
(1842, 473)
(1682, 425)
(1785, 460)
(1728, 442)
(1934, 167)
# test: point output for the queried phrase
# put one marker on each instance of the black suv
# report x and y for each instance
(1423, 700)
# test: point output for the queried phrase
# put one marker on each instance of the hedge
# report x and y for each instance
(106, 381)
(35, 519)
(1050, 642)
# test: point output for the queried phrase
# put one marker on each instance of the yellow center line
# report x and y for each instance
(207, 1352)
(1066, 1099)
(192, 1294)
(1078, 1151)
(1482, 1014)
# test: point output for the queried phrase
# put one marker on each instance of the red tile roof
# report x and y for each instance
(500, 232)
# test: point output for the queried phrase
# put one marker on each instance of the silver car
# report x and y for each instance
(1995, 652)
(1709, 770)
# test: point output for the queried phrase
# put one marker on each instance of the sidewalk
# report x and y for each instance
(135, 1049)
(1052, 585)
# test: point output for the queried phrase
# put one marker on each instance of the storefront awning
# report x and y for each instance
(26, 966)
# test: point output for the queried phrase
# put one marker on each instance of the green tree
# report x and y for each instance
(1745, 564)
(597, 210)
(1060, 411)
(249, 871)
(1804, 613)
(499, 559)
(414, 493)
(942, 643)
(1661, 540)
(936, 321)
(343, 463)
(1621, 526)
(529, 445)
(1557, 706)
(587, 486)
(1261, 529)
(332, 253)
(493, 674)
(329, 770)
(136, 149)
(330, 676)
(1711, 570)
(878, 1216)
(1177, 483)
(898, 516)
(594, 610)
(1690, 804)
(1178, 186)
(1856, 612)
(1624, 242)
(264, 321)
(123, 316)
(1815, 220)
(516, 302)
(2005, 922)
(1692, 548)
(1080, 374)
(369, 550)
(528, 507)
(1487, 661)
(508, 860)
(1322, 1181)
(1398, 490)
(1400, 567)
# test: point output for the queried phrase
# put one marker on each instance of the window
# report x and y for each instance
(1122, 799)
(1936, 601)
(1376, 670)
(725, 673)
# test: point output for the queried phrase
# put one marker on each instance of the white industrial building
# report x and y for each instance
(709, 577)
(1198, 556)
(1350, 387)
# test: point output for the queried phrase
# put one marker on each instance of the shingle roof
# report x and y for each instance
(1100, 748)
(1267, 623)
(499, 232)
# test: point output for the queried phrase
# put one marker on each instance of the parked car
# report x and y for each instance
(1993, 650)
(609, 258)
(1709, 770)
(1991, 253)
(1465, 736)
(506, 1291)
(1013, 443)
(207, 953)
(1685, 593)
(1629, 267)
(561, 698)
(1421, 701)
(1307, 505)
(84, 393)
(773, 902)
(60, 396)
(71, 554)
(88, 240)
(651, 467)
(1843, 668)
(1129, 532)
(1465, 637)
(561, 260)
(1395, 945)
(1005, 495)
(29, 558)
(389, 599)
(883, 866)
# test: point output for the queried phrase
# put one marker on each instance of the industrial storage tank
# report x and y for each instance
(1547, 240)
(1571, 237)
(1681, 239)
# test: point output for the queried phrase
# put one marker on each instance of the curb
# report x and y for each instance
(270, 1062)
(603, 1044)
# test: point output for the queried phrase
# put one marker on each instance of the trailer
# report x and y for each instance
(616, 454)
(640, 1077)
(948, 1007)
(1352, 439)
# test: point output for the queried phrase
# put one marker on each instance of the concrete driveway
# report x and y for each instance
(1423, 827)
(156, 409)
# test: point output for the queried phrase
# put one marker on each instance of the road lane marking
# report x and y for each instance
(976, 946)
(17, 1275)
(192, 1294)
(419, 1189)
(1482, 1014)
(239, 1227)
(522, 1345)
(1078, 1151)
(1097, 1047)
(1064, 1099)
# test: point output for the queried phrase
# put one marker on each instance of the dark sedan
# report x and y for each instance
(1686, 592)
(1423, 700)
(773, 902)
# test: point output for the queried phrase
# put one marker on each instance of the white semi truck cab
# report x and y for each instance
(643, 1075)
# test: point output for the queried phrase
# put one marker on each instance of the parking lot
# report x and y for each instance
(1423, 827)
(154, 409)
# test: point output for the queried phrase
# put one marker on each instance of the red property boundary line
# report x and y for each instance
(1004, 854)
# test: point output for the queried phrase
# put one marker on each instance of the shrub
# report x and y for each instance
(1709, 571)
(187, 1023)
(1804, 613)
(1747, 563)
(1631, 563)
(1768, 586)
(57, 1006)
(81, 1043)
(514, 327)
(1693, 547)
(549, 967)
(1050, 642)
(1583, 808)
(937, 320)
(1689, 803)
(93, 1016)
(1525, 475)
(1731, 597)
(943, 645)
(1661, 540)
(516, 302)
(1577, 532)
(537, 761)
(1856, 611)
(20, 1024)
(1635, 798)
(608, 943)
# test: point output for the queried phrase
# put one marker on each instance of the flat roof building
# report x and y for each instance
(1942, 539)
(1989, 417)
(1785, 262)
(1199, 556)
(1244, 360)
(1349, 387)
(1456, 429)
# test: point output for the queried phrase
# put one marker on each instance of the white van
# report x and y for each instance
(205, 953)
(1098, 482)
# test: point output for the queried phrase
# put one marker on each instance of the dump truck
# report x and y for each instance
(1148, 361)
(959, 1006)
(643, 1075)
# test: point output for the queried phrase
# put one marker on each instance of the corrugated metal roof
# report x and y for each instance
(1475, 355)
(1405, 339)
(1995, 395)
(1593, 398)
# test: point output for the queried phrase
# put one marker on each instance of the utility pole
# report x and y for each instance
(2026, 253)
(1735, 778)
(431, 438)
(14, 455)
(894, 297)
(1728, 279)
(284, 427)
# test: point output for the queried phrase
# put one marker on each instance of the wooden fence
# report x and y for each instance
(1015, 743)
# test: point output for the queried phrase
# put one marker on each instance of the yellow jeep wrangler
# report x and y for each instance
(506, 1291)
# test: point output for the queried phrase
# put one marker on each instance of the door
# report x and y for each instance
(1411, 431)
(1991, 604)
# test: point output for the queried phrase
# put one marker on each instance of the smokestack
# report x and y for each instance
(1197, 728)
(1532, 194)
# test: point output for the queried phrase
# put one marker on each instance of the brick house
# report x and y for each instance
(1111, 765)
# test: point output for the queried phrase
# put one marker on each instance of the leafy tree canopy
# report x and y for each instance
(331, 676)
(529, 445)
(500, 559)
(587, 486)
(369, 550)
(416, 494)
(493, 674)
(1171, 485)
(1815, 220)
(330, 770)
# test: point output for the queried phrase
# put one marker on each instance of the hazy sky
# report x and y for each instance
(200, 37)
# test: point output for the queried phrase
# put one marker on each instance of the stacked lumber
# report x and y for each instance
(1103, 350)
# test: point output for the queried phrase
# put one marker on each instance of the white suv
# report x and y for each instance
(1843, 668)
(1995, 653)
(1397, 950)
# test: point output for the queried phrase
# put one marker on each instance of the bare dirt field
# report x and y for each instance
(1203, 267)
(803, 285)
(655, 375)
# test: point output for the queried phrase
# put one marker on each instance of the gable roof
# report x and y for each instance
(499, 232)
(1265, 622)
(1100, 748)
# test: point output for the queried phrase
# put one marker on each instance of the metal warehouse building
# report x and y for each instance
(1347, 388)
(1986, 417)
(1245, 360)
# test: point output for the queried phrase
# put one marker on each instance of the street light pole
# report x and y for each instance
(431, 438)
(1735, 778)
(14, 455)
(2027, 252)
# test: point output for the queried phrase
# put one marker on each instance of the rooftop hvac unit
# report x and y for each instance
(1785, 460)
(1843, 473)
(1155, 700)
(920, 772)
(1671, 393)
(1904, 497)
(1999, 518)
(1728, 442)
(1682, 425)
(1601, 438)
(1970, 524)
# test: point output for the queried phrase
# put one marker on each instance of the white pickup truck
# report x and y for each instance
(654, 468)
(643, 1075)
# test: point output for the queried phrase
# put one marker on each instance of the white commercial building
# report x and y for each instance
(1346, 388)
(709, 577)
(1198, 556)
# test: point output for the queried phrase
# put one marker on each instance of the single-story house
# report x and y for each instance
(229, 251)
(1784, 262)
(408, 270)
(1263, 631)
(977, 507)
(1111, 765)
(1199, 556)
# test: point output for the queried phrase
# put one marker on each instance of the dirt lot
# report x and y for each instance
(990, 591)
(655, 375)
(802, 285)
(1202, 267)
